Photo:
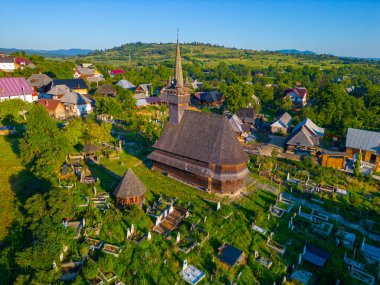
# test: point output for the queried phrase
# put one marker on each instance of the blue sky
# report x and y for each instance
(346, 28)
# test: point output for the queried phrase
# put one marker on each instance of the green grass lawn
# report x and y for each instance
(10, 165)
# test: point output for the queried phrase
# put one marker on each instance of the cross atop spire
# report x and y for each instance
(178, 77)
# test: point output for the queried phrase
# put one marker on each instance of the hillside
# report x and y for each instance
(49, 53)
(208, 56)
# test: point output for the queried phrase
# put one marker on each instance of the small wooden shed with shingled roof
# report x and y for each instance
(130, 190)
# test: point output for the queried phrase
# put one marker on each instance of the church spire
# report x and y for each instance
(178, 77)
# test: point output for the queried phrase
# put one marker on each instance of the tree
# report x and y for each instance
(90, 270)
(287, 103)
(44, 147)
(13, 110)
(358, 164)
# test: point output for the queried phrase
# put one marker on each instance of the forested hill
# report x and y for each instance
(209, 56)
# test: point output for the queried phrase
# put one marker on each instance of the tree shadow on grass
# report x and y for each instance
(24, 184)
(14, 142)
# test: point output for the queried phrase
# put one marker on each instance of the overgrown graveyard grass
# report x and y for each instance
(159, 261)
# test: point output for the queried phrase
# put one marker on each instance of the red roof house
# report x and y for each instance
(297, 95)
(116, 72)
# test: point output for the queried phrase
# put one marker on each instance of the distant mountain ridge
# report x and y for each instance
(49, 53)
(295, 51)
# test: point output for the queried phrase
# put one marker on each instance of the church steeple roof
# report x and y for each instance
(178, 76)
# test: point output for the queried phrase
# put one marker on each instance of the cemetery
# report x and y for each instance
(191, 274)
(111, 249)
(277, 247)
(262, 260)
(194, 224)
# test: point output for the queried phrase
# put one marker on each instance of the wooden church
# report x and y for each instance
(198, 148)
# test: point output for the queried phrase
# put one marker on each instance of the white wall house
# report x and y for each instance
(297, 95)
(76, 104)
(7, 66)
(7, 63)
(16, 88)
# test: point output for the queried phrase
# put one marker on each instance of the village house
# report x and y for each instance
(39, 81)
(114, 72)
(333, 159)
(130, 190)
(7, 63)
(282, 124)
(16, 88)
(143, 88)
(125, 84)
(76, 104)
(84, 72)
(211, 98)
(56, 92)
(242, 131)
(96, 80)
(368, 142)
(198, 148)
(22, 63)
(247, 115)
(196, 84)
(106, 90)
(86, 64)
(77, 85)
(298, 96)
(54, 107)
(305, 137)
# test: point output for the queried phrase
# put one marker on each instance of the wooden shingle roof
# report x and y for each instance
(303, 137)
(204, 137)
(91, 148)
(106, 89)
(130, 186)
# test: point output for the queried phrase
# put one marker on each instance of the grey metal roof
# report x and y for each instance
(362, 139)
(283, 121)
(39, 80)
(75, 98)
(125, 84)
(59, 90)
(318, 131)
